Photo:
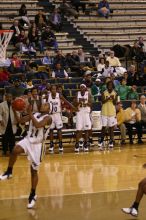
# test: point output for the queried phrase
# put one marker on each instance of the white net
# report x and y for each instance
(5, 37)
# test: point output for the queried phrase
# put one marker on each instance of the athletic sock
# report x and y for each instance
(32, 193)
(135, 205)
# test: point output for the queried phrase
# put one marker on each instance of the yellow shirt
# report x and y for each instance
(120, 117)
(128, 114)
(108, 108)
(113, 61)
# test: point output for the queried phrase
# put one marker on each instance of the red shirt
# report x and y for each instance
(4, 76)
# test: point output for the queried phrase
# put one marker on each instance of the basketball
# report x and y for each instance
(19, 104)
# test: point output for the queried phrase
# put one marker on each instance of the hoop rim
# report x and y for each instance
(5, 31)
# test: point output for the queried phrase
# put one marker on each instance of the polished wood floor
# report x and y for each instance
(91, 186)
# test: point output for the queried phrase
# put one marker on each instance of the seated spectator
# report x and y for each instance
(115, 81)
(133, 95)
(87, 80)
(103, 8)
(4, 77)
(16, 90)
(142, 44)
(133, 119)
(55, 20)
(123, 90)
(49, 39)
(113, 61)
(96, 89)
(107, 70)
(22, 40)
(40, 19)
(77, 4)
(42, 87)
(101, 65)
(23, 15)
(67, 9)
(133, 77)
(82, 56)
(35, 100)
(75, 58)
(29, 84)
(59, 72)
(47, 60)
(59, 58)
(17, 29)
(35, 39)
(136, 52)
(120, 121)
(16, 64)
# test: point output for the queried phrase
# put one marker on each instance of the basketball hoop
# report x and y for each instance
(5, 37)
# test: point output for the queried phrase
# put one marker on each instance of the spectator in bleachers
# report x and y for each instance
(4, 77)
(136, 51)
(142, 108)
(47, 60)
(16, 28)
(142, 44)
(113, 61)
(35, 100)
(133, 95)
(115, 81)
(59, 58)
(103, 8)
(133, 120)
(40, 19)
(82, 56)
(133, 76)
(123, 90)
(120, 121)
(29, 84)
(34, 38)
(101, 65)
(59, 72)
(96, 89)
(16, 90)
(22, 40)
(49, 39)
(87, 80)
(77, 4)
(75, 57)
(16, 64)
(55, 20)
(23, 15)
(66, 8)
(107, 70)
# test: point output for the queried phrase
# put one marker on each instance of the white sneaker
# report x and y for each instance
(111, 144)
(31, 202)
(61, 149)
(86, 149)
(5, 176)
(77, 149)
(131, 211)
(100, 145)
(51, 150)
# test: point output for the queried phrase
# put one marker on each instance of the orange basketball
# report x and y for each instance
(19, 104)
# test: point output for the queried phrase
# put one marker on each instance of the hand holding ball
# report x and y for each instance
(19, 104)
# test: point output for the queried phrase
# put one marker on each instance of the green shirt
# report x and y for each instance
(132, 95)
(123, 91)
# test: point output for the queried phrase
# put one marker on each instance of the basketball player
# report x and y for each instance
(108, 114)
(54, 99)
(83, 122)
(133, 210)
(32, 145)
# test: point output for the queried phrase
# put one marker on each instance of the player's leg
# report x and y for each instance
(111, 134)
(59, 133)
(79, 128)
(51, 136)
(133, 210)
(86, 143)
(78, 137)
(103, 132)
(34, 183)
(13, 157)
(87, 128)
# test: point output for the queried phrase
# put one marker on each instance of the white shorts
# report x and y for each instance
(83, 121)
(56, 121)
(34, 152)
(108, 121)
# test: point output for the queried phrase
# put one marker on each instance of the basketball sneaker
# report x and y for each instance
(51, 148)
(77, 149)
(100, 145)
(91, 141)
(86, 147)
(60, 148)
(31, 201)
(131, 211)
(111, 144)
(81, 144)
(5, 175)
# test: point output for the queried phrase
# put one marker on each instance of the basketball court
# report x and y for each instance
(93, 185)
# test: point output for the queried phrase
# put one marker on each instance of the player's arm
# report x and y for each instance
(68, 103)
(19, 119)
(114, 98)
(104, 99)
(39, 124)
(89, 101)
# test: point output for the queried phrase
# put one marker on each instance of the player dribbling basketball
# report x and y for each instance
(32, 145)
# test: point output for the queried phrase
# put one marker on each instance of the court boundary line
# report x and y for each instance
(70, 194)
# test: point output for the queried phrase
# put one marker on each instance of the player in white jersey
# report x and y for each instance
(32, 145)
(83, 121)
(54, 99)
